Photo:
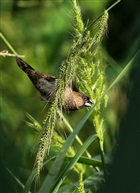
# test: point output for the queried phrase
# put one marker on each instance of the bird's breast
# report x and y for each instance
(73, 100)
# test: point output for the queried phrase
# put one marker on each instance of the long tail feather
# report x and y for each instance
(23, 65)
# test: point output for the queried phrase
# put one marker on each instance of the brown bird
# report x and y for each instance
(46, 85)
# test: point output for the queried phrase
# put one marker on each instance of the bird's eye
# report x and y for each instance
(84, 98)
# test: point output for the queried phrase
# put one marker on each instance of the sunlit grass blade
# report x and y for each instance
(53, 172)
(71, 130)
(90, 161)
(9, 46)
(109, 8)
(73, 162)
(124, 71)
(30, 181)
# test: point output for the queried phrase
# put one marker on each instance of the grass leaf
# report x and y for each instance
(124, 71)
(17, 180)
(47, 185)
(73, 162)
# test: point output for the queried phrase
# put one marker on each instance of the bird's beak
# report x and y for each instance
(89, 103)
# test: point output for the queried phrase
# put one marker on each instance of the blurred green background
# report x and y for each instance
(41, 30)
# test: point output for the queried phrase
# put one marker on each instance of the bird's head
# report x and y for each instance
(87, 101)
(76, 100)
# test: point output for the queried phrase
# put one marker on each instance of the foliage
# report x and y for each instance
(85, 64)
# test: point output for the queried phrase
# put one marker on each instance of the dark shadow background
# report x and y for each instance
(125, 171)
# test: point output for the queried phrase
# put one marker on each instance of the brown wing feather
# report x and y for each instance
(44, 83)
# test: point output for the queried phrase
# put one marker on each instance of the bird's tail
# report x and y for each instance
(23, 65)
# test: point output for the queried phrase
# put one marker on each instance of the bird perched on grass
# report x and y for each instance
(46, 85)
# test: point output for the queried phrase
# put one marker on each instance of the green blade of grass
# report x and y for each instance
(109, 8)
(17, 180)
(124, 71)
(49, 180)
(73, 162)
(9, 46)
(90, 161)
(71, 130)
(29, 181)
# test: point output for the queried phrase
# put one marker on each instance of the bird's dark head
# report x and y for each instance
(87, 101)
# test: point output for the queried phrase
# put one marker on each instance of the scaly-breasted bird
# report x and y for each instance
(46, 85)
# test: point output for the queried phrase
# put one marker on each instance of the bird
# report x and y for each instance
(46, 85)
